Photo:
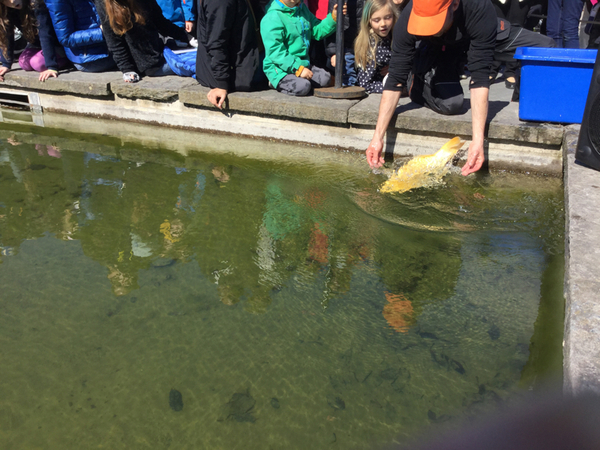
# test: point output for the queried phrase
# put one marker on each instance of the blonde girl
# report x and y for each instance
(372, 48)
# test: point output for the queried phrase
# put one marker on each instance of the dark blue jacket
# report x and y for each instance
(173, 11)
(77, 27)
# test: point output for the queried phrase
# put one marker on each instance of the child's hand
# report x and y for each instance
(3, 71)
(189, 26)
(306, 73)
(333, 61)
(48, 74)
(334, 12)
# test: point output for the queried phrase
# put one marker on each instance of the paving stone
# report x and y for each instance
(74, 82)
(503, 120)
(275, 104)
(158, 89)
(582, 288)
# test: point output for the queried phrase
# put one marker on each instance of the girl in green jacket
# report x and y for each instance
(287, 29)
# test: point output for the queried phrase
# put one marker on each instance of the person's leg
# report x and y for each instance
(25, 58)
(520, 37)
(61, 59)
(350, 75)
(293, 85)
(441, 88)
(554, 21)
(571, 13)
(37, 62)
(594, 40)
(160, 71)
(99, 65)
(321, 78)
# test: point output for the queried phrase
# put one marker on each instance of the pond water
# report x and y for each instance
(155, 300)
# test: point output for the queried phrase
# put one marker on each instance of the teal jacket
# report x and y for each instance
(286, 34)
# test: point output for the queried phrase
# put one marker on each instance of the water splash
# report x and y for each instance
(423, 171)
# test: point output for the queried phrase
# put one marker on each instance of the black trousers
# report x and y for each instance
(434, 81)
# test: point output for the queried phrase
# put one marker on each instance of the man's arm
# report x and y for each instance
(387, 107)
(479, 110)
(403, 50)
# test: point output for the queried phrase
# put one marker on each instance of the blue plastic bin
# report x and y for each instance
(554, 83)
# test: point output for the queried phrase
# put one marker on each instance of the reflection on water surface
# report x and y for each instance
(218, 302)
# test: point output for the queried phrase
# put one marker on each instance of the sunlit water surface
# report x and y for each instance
(215, 302)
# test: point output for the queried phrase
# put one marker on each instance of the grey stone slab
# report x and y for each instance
(582, 285)
(73, 82)
(582, 338)
(504, 123)
(275, 104)
(159, 89)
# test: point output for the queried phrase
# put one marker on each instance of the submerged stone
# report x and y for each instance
(494, 332)
(175, 400)
(275, 403)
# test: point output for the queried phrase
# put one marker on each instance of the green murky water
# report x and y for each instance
(208, 301)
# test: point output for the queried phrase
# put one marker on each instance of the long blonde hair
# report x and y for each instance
(367, 40)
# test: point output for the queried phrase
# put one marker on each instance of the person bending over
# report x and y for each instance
(133, 30)
(447, 30)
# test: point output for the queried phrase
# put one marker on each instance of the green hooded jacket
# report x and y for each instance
(286, 33)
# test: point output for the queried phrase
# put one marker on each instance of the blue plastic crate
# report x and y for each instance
(554, 83)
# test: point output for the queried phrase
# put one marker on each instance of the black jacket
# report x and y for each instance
(474, 29)
(228, 44)
(141, 48)
(351, 26)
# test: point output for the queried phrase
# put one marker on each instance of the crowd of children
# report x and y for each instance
(158, 37)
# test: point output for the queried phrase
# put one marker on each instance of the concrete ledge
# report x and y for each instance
(503, 120)
(348, 124)
(271, 103)
(159, 89)
(582, 285)
(74, 82)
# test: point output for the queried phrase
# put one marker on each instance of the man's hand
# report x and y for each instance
(48, 74)
(189, 26)
(374, 153)
(475, 158)
(306, 73)
(387, 107)
(217, 97)
(479, 111)
(3, 71)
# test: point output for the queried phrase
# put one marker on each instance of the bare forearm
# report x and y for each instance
(387, 107)
(479, 111)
